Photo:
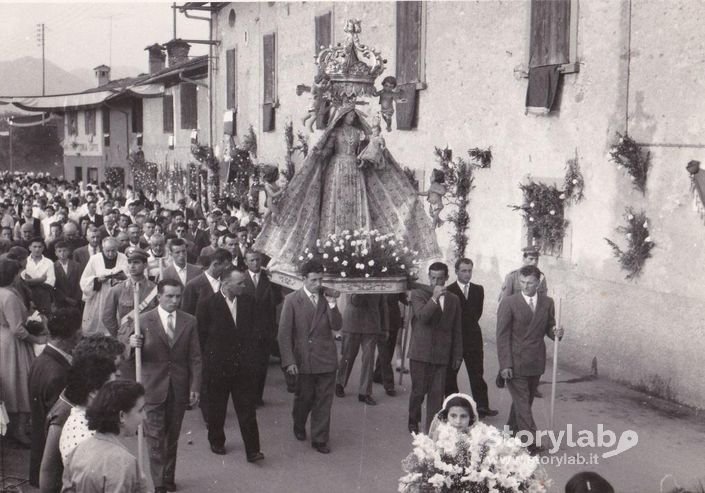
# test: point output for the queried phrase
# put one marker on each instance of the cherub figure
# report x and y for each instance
(435, 196)
(273, 189)
(387, 95)
(372, 156)
(319, 105)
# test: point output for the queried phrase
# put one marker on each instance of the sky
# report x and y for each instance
(78, 35)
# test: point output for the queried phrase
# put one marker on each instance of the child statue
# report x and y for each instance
(387, 95)
(372, 156)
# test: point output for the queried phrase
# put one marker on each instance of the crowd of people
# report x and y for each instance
(77, 263)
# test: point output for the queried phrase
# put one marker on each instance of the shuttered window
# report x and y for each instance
(231, 78)
(89, 116)
(268, 44)
(137, 116)
(168, 114)
(324, 36)
(189, 106)
(550, 32)
(105, 116)
(409, 42)
(72, 122)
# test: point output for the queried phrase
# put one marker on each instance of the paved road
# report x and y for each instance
(368, 443)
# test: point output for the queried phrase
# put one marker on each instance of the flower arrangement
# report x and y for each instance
(481, 460)
(639, 243)
(115, 176)
(355, 254)
(629, 156)
(543, 214)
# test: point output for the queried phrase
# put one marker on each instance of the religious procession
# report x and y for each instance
(416, 254)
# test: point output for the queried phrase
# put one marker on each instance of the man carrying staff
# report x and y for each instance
(119, 305)
(523, 320)
(171, 375)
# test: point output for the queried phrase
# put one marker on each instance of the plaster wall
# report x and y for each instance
(647, 333)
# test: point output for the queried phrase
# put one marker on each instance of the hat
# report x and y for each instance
(531, 251)
(134, 253)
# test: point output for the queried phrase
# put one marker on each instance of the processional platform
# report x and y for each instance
(350, 285)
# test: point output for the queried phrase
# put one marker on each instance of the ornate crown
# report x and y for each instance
(349, 70)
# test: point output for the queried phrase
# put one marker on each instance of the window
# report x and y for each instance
(105, 115)
(136, 116)
(72, 123)
(89, 120)
(269, 81)
(189, 106)
(92, 175)
(78, 173)
(410, 50)
(231, 78)
(168, 114)
(553, 35)
(324, 36)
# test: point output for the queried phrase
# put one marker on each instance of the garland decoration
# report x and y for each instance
(574, 183)
(639, 243)
(628, 155)
(301, 146)
(206, 158)
(483, 157)
(144, 173)
(249, 142)
(115, 176)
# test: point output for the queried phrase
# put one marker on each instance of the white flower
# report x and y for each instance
(574, 182)
(328, 243)
(392, 242)
(325, 255)
(364, 251)
(343, 274)
(353, 243)
(552, 212)
(531, 219)
(620, 167)
(356, 233)
(632, 178)
(371, 263)
(648, 239)
(301, 257)
(347, 237)
(532, 205)
(336, 249)
(335, 259)
(646, 224)
(344, 263)
(310, 255)
(629, 236)
(406, 249)
(360, 266)
(318, 242)
(562, 196)
(384, 269)
(402, 266)
(630, 217)
(367, 275)
(306, 250)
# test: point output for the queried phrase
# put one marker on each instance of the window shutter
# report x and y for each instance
(408, 41)
(168, 114)
(73, 123)
(89, 116)
(189, 106)
(136, 116)
(231, 78)
(550, 32)
(106, 126)
(323, 32)
(269, 67)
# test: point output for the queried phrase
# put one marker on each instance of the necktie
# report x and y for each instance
(465, 290)
(255, 279)
(233, 310)
(170, 328)
(531, 305)
(314, 300)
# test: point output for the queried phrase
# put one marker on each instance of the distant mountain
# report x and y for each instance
(23, 77)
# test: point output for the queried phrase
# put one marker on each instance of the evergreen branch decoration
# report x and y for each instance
(628, 155)
(639, 243)
(301, 146)
(574, 183)
(481, 156)
(543, 212)
(249, 142)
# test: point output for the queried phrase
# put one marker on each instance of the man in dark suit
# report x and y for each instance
(81, 255)
(179, 269)
(92, 215)
(47, 378)
(383, 372)
(171, 375)
(308, 351)
(472, 297)
(436, 343)
(523, 320)
(267, 296)
(231, 244)
(67, 286)
(231, 345)
(206, 283)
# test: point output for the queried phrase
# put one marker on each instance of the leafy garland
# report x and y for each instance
(459, 179)
(206, 158)
(301, 146)
(638, 240)
(243, 176)
(544, 207)
(628, 155)
(115, 176)
(249, 142)
(144, 173)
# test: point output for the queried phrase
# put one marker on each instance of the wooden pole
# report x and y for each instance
(138, 371)
(555, 362)
(405, 339)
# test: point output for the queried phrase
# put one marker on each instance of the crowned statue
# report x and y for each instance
(342, 185)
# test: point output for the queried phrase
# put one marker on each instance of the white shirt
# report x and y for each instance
(164, 316)
(181, 273)
(74, 432)
(215, 283)
(38, 269)
(534, 298)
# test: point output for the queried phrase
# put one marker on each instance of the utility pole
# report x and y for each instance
(173, 9)
(40, 41)
(12, 159)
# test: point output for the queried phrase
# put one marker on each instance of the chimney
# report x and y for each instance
(156, 58)
(102, 73)
(177, 49)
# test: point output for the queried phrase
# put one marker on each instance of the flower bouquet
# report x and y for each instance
(482, 460)
(363, 254)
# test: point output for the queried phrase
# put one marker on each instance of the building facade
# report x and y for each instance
(468, 63)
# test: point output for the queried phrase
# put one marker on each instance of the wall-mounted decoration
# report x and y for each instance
(639, 243)
(697, 186)
(574, 184)
(629, 157)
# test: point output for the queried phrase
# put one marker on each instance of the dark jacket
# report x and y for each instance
(471, 311)
(436, 334)
(67, 287)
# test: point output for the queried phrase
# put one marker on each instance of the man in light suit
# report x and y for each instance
(171, 375)
(231, 345)
(472, 298)
(436, 343)
(523, 320)
(179, 269)
(308, 351)
(267, 296)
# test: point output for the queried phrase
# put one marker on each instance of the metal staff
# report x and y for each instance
(138, 368)
(405, 339)
(555, 361)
